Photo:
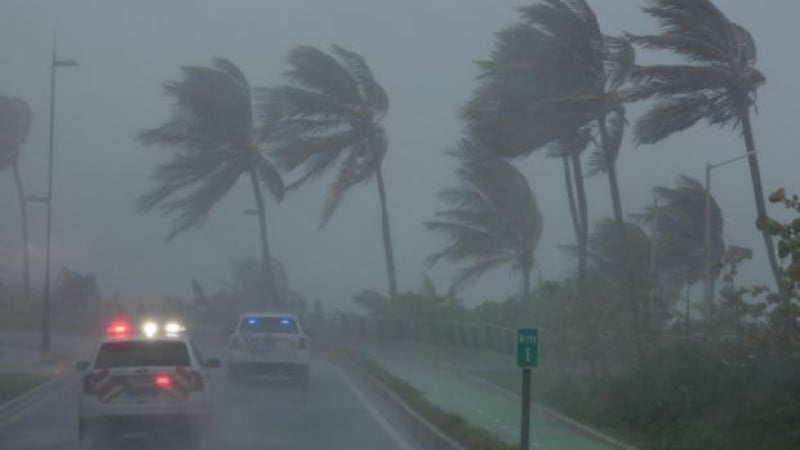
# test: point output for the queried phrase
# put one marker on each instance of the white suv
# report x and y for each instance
(140, 384)
(269, 344)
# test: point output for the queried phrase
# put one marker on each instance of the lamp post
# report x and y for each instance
(45, 322)
(708, 293)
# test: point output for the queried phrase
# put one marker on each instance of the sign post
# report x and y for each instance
(527, 357)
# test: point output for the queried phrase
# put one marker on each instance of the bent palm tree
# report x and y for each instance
(549, 75)
(15, 123)
(216, 142)
(718, 83)
(679, 232)
(492, 218)
(332, 112)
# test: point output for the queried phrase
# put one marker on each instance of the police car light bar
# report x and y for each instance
(118, 328)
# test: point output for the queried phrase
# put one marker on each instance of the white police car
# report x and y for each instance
(269, 344)
(152, 383)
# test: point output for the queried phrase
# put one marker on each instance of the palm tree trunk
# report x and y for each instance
(23, 212)
(269, 294)
(761, 209)
(387, 235)
(573, 208)
(611, 166)
(583, 213)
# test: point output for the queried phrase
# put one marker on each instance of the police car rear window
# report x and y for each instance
(142, 354)
(269, 325)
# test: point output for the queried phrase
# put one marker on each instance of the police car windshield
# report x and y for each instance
(268, 325)
(142, 354)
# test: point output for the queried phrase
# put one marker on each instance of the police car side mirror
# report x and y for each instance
(212, 363)
(81, 366)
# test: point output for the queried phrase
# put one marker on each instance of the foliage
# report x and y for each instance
(15, 123)
(719, 81)
(331, 112)
(426, 304)
(76, 289)
(216, 141)
(788, 235)
(492, 218)
(679, 218)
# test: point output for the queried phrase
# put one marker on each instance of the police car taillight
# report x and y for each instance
(163, 381)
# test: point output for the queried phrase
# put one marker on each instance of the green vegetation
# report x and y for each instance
(492, 218)
(217, 141)
(331, 112)
(14, 384)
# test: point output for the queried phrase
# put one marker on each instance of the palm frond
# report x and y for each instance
(314, 70)
(372, 93)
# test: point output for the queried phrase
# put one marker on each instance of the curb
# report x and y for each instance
(30, 400)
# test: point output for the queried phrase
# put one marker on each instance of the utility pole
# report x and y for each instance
(45, 321)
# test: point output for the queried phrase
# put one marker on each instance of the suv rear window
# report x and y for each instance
(142, 353)
(268, 325)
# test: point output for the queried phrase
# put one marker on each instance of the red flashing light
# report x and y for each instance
(118, 328)
(162, 381)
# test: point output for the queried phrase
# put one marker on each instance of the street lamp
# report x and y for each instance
(708, 294)
(45, 324)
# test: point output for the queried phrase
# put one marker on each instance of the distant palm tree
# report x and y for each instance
(551, 74)
(216, 142)
(15, 123)
(332, 111)
(492, 218)
(680, 219)
(718, 83)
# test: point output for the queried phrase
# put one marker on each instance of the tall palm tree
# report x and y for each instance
(492, 219)
(15, 123)
(717, 82)
(332, 111)
(216, 141)
(680, 228)
(549, 75)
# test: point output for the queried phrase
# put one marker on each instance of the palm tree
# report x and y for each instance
(216, 141)
(679, 220)
(492, 219)
(717, 83)
(551, 74)
(332, 111)
(15, 123)
(680, 229)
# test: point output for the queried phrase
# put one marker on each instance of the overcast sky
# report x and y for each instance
(422, 51)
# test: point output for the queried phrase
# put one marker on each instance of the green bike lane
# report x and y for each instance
(436, 373)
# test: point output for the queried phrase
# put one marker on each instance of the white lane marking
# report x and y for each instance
(393, 434)
(28, 409)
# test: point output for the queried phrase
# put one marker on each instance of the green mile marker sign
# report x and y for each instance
(527, 347)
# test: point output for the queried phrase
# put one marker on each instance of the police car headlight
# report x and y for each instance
(173, 328)
(149, 328)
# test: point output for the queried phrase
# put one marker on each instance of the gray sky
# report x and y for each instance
(422, 51)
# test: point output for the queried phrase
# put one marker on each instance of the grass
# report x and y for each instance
(14, 384)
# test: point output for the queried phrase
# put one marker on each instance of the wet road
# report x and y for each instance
(333, 414)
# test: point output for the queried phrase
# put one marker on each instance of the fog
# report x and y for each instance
(422, 52)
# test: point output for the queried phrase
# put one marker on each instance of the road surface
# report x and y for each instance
(334, 414)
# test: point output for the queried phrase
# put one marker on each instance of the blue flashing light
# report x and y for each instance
(251, 321)
(284, 321)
